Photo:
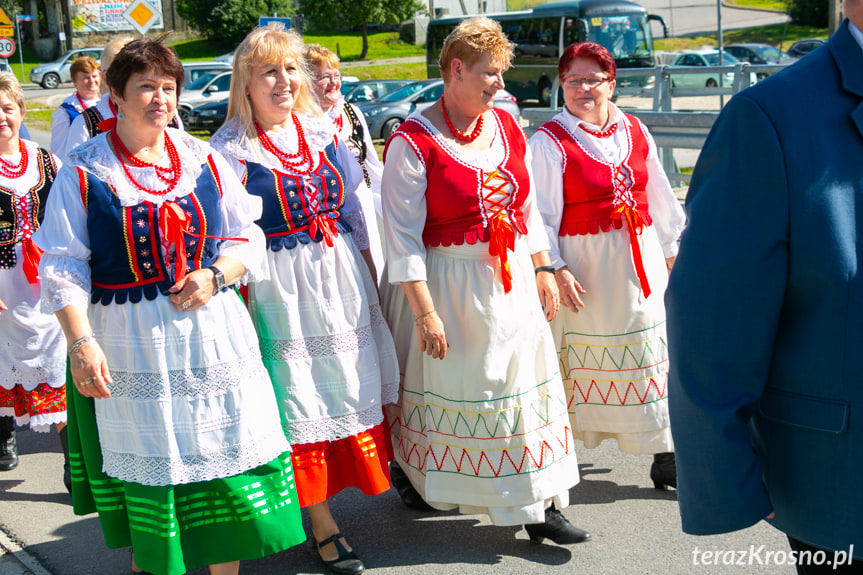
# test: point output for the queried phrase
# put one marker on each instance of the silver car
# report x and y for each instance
(209, 87)
(52, 74)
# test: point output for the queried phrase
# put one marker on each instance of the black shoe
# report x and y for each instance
(8, 445)
(67, 470)
(347, 562)
(663, 472)
(557, 528)
(407, 493)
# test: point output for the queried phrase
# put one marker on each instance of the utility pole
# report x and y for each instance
(834, 15)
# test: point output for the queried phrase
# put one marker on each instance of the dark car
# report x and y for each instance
(385, 115)
(368, 90)
(208, 116)
(802, 47)
(759, 54)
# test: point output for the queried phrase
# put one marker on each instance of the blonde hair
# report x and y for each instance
(473, 38)
(317, 55)
(9, 84)
(269, 45)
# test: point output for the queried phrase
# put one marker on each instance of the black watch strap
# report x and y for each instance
(218, 279)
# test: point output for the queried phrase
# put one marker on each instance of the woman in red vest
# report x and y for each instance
(613, 223)
(481, 425)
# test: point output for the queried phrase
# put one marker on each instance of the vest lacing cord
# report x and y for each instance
(175, 223)
(635, 223)
(321, 221)
(501, 234)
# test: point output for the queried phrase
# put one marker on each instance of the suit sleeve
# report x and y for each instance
(724, 303)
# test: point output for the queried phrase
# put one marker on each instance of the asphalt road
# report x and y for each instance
(683, 17)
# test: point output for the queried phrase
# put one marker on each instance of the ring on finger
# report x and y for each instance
(85, 382)
(186, 304)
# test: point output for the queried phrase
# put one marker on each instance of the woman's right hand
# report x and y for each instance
(569, 289)
(89, 369)
(431, 335)
(2, 306)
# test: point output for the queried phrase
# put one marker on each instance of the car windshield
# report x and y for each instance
(347, 88)
(713, 58)
(200, 82)
(769, 52)
(403, 93)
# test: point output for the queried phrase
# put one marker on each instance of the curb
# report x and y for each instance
(29, 565)
(751, 9)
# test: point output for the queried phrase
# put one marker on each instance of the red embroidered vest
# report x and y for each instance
(593, 188)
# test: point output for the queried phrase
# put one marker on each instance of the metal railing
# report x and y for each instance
(671, 129)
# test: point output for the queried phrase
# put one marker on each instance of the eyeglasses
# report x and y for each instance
(579, 81)
(326, 78)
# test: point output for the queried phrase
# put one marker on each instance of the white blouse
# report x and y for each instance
(374, 166)
(60, 123)
(668, 217)
(64, 236)
(403, 189)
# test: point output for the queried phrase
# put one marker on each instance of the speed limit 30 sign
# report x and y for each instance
(7, 47)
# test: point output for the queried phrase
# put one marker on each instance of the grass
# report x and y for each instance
(30, 62)
(776, 35)
(387, 71)
(38, 117)
(774, 5)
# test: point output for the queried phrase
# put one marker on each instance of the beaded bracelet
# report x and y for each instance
(76, 345)
(422, 315)
(549, 269)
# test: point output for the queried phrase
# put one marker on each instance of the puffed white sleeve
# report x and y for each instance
(352, 211)
(403, 188)
(537, 241)
(547, 164)
(374, 166)
(64, 269)
(668, 216)
(59, 130)
(75, 136)
(240, 211)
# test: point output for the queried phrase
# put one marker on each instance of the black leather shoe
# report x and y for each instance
(67, 470)
(663, 472)
(347, 562)
(8, 445)
(409, 496)
(557, 528)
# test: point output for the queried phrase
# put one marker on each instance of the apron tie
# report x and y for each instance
(635, 224)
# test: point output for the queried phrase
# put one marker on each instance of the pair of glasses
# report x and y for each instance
(326, 78)
(586, 81)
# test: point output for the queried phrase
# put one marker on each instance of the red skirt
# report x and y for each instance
(324, 468)
(24, 404)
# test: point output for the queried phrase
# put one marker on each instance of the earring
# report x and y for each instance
(121, 115)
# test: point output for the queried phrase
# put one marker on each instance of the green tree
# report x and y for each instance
(809, 12)
(329, 14)
(228, 21)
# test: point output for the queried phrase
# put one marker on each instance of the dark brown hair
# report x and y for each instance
(139, 56)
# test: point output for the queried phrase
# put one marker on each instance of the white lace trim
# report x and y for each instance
(65, 281)
(97, 157)
(40, 423)
(51, 372)
(190, 382)
(183, 469)
(232, 138)
(333, 428)
(318, 346)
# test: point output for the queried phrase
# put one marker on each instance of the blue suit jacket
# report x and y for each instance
(765, 310)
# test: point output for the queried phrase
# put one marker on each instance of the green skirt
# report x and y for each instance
(174, 529)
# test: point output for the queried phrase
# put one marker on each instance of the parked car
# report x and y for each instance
(385, 115)
(802, 47)
(209, 87)
(4, 65)
(705, 58)
(229, 58)
(361, 92)
(52, 74)
(207, 116)
(194, 70)
(759, 54)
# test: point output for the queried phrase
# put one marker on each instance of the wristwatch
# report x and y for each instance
(218, 279)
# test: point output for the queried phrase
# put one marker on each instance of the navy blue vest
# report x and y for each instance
(71, 110)
(290, 205)
(128, 260)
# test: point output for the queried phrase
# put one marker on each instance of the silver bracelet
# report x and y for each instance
(76, 345)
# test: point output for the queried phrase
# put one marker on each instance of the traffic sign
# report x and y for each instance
(263, 21)
(7, 47)
(6, 26)
(142, 15)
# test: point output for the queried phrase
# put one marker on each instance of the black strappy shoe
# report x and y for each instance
(663, 472)
(347, 562)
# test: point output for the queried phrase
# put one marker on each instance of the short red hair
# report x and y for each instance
(587, 51)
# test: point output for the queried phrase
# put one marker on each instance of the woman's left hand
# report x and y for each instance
(193, 291)
(549, 296)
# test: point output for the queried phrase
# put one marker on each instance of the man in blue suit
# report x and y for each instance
(765, 310)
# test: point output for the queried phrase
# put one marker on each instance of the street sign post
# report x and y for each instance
(142, 15)
(7, 47)
(18, 19)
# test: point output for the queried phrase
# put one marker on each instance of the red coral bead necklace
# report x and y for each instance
(458, 133)
(12, 171)
(601, 134)
(169, 175)
(299, 162)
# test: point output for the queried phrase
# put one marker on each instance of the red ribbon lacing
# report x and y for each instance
(32, 255)
(636, 224)
(175, 223)
(326, 225)
(109, 124)
(501, 234)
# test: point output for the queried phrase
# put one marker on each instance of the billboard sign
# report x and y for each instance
(104, 16)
